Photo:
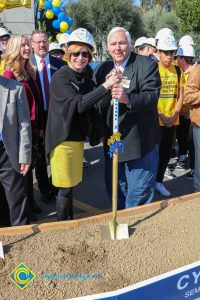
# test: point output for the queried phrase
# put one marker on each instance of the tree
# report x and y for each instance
(157, 18)
(189, 14)
(167, 4)
(100, 16)
(146, 4)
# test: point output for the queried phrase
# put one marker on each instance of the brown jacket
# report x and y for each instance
(192, 95)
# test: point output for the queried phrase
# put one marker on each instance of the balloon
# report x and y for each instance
(2, 6)
(12, 3)
(70, 21)
(41, 4)
(56, 2)
(69, 31)
(26, 3)
(62, 16)
(63, 26)
(56, 10)
(49, 14)
(56, 24)
(48, 5)
(58, 36)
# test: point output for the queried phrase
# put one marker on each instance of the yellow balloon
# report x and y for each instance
(2, 6)
(41, 4)
(56, 2)
(58, 36)
(26, 3)
(63, 26)
(12, 3)
(49, 14)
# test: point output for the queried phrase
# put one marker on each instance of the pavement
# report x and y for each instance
(90, 196)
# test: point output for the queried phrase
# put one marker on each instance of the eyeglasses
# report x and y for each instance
(85, 54)
(40, 42)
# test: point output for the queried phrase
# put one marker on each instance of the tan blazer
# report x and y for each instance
(192, 95)
(15, 122)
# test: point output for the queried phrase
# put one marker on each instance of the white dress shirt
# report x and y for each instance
(39, 67)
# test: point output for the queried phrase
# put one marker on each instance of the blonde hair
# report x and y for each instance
(75, 47)
(14, 60)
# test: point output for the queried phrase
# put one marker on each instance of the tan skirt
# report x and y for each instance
(66, 161)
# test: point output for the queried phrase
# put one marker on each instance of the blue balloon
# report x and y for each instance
(70, 21)
(56, 10)
(69, 31)
(48, 5)
(56, 24)
(62, 16)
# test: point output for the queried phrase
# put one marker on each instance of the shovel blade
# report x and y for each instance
(1, 250)
(116, 232)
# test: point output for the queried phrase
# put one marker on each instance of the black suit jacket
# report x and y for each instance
(139, 124)
(55, 64)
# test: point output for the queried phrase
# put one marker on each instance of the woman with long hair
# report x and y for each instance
(18, 67)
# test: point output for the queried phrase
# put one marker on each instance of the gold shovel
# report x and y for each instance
(113, 230)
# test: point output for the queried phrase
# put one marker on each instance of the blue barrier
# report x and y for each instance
(179, 284)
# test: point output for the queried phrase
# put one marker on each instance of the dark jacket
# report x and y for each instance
(72, 99)
(55, 64)
(139, 124)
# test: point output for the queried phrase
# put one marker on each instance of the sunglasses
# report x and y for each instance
(84, 54)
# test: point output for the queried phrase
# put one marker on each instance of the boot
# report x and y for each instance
(64, 208)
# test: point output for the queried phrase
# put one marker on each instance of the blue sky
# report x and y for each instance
(136, 2)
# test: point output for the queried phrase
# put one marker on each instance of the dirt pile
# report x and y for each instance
(74, 262)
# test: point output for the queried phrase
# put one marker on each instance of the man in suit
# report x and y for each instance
(45, 66)
(15, 153)
(138, 120)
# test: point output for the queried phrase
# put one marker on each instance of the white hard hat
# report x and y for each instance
(3, 32)
(167, 43)
(186, 40)
(81, 35)
(63, 38)
(139, 42)
(186, 50)
(151, 41)
(164, 32)
(54, 46)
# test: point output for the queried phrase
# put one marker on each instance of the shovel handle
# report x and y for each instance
(114, 184)
(115, 161)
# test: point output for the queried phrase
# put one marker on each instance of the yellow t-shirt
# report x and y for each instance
(169, 91)
(185, 107)
(2, 66)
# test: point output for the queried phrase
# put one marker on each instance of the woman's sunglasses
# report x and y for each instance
(84, 54)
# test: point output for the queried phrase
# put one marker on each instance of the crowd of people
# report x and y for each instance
(52, 101)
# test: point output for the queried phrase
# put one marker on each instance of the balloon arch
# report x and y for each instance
(61, 21)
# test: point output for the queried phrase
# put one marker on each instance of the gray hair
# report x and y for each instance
(117, 29)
